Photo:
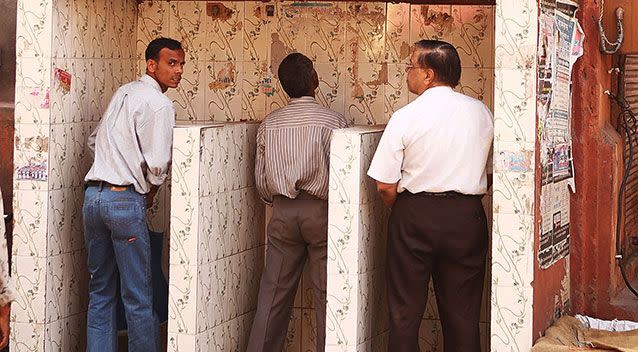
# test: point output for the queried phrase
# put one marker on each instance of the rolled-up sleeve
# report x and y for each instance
(260, 167)
(156, 140)
(388, 158)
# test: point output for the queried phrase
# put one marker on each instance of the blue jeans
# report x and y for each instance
(117, 241)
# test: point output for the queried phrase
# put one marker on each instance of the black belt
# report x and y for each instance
(446, 194)
(103, 184)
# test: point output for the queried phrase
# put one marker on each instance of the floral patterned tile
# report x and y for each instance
(332, 81)
(341, 312)
(512, 251)
(365, 32)
(431, 22)
(396, 91)
(478, 83)
(516, 35)
(29, 275)
(473, 37)
(326, 39)
(254, 90)
(514, 193)
(365, 92)
(189, 97)
(223, 91)
(188, 23)
(34, 31)
(514, 106)
(183, 298)
(224, 31)
(153, 20)
(27, 337)
(30, 224)
(256, 32)
(511, 324)
(344, 168)
(398, 43)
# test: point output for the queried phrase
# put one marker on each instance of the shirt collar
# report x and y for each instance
(437, 90)
(301, 100)
(150, 80)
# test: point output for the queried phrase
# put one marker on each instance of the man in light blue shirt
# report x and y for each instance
(132, 149)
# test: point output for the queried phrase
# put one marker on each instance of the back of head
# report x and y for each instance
(296, 75)
(156, 45)
(441, 57)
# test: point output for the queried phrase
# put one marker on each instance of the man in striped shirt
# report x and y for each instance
(291, 174)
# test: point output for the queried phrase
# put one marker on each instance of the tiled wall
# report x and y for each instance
(513, 195)
(217, 238)
(360, 50)
(88, 40)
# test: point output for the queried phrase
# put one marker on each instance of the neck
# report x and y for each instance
(164, 88)
(435, 84)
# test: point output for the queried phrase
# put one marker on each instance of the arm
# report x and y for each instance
(385, 167)
(156, 141)
(388, 192)
(260, 167)
(90, 143)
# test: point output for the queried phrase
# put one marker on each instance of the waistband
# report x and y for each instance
(103, 184)
(303, 195)
(447, 194)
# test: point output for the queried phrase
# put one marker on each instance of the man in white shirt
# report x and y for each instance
(132, 147)
(431, 169)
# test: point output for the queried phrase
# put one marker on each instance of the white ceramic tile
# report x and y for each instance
(511, 324)
(182, 306)
(516, 34)
(512, 250)
(29, 275)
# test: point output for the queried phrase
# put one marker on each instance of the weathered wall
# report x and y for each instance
(597, 287)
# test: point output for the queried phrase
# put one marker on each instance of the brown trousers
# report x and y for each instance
(443, 237)
(298, 229)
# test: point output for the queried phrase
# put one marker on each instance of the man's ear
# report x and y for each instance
(151, 66)
(315, 79)
(430, 76)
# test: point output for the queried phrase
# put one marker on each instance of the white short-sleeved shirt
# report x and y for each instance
(439, 142)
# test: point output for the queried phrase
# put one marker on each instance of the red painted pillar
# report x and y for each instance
(596, 285)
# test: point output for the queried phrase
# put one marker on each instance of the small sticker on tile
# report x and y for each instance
(36, 171)
(217, 11)
(39, 97)
(520, 161)
(62, 80)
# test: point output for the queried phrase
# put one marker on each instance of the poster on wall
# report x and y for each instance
(559, 47)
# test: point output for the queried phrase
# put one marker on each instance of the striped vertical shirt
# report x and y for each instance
(293, 148)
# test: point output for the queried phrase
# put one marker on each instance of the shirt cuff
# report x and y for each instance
(156, 180)
(383, 178)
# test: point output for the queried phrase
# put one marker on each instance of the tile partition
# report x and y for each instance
(71, 56)
(357, 318)
(217, 237)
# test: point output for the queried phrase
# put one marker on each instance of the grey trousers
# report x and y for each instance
(297, 230)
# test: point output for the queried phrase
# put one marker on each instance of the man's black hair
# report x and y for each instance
(156, 45)
(296, 75)
(442, 58)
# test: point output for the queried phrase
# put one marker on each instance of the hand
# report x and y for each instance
(150, 196)
(4, 325)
